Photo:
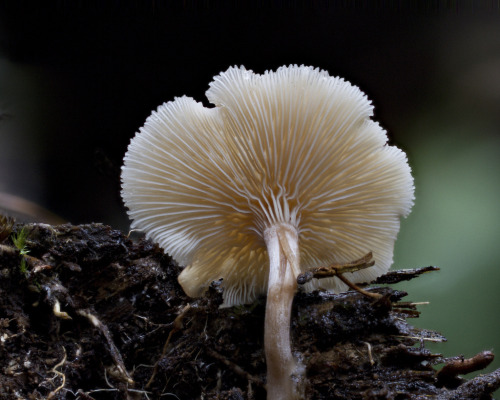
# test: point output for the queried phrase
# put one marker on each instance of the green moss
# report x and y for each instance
(19, 241)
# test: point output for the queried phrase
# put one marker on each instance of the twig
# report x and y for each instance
(336, 269)
(115, 353)
(437, 340)
(236, 368)
(177, 326)
(358, 289)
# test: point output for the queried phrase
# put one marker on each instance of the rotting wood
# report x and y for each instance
(95, 268)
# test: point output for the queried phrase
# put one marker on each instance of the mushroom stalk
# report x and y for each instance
(282, 247)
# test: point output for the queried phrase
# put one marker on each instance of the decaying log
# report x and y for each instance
(96, 315)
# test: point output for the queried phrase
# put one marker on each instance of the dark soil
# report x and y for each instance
(90, 314)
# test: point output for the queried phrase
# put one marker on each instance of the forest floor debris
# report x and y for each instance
(96, 315)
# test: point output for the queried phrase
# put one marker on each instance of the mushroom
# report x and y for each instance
(287, 172)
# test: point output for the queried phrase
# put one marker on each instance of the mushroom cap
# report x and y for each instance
(293, 146)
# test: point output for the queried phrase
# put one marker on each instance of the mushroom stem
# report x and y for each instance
(282, 247)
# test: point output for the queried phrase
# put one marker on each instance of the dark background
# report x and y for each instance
(77, 80)
(92, 75)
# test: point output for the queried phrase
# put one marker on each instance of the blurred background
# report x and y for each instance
(77, 81)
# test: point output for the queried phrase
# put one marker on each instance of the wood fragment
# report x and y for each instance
(480, 387)
(462, 366)
(115, 353)
(401, 275)
(336, 269)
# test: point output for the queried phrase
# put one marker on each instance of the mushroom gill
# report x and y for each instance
(287, 172)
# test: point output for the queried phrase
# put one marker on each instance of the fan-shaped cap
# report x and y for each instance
(293, 146)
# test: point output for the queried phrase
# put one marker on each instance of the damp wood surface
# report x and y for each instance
(92, 314)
